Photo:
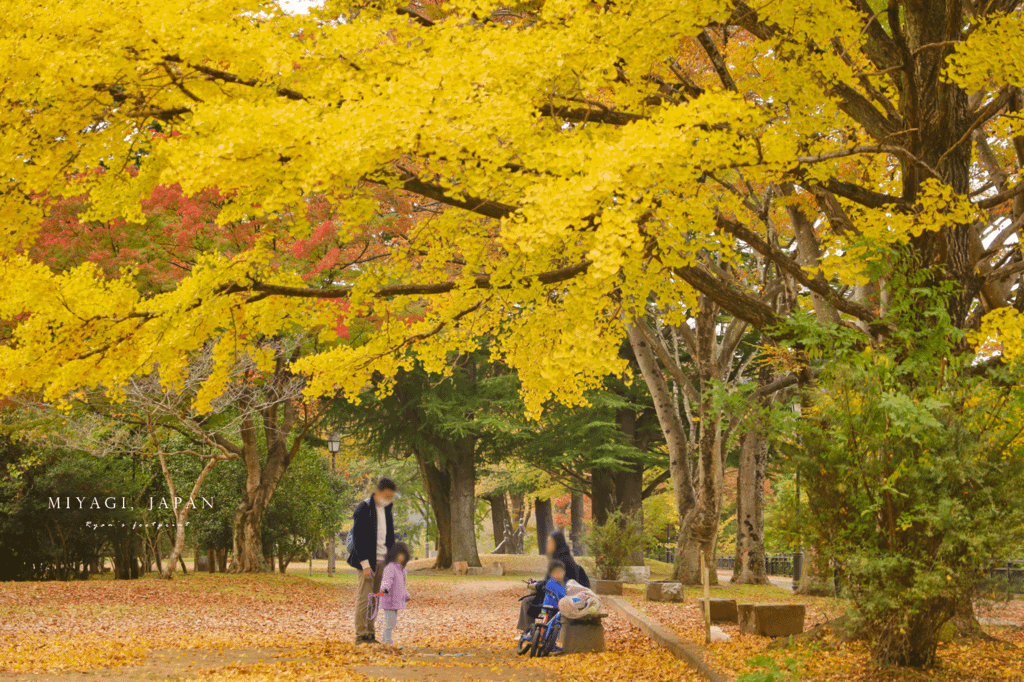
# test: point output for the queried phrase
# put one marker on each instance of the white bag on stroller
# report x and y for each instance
(579, 602)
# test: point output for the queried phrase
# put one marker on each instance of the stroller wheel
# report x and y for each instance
(536, 641)
(524, 642)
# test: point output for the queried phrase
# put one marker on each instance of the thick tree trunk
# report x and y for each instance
(437, 484)
(675, 439)
(620, 490)
(545, 523)
(261, 483)
(247, 539)
(500, 522)
(578, 527)
(749, 566)
(463, 502)
(124, 557)
(602, 495)
(700, 529)
(262, 478)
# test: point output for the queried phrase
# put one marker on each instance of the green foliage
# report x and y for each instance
(613, 542)
(660, 524)
(39, 542)
(774, 671)
(913, 462)
(306, 508)
(426, 413)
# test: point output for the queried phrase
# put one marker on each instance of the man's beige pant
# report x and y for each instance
(367, 586)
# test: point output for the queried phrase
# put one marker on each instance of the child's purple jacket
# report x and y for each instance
(393, 581)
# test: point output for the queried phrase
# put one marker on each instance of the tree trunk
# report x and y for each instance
(577, 527)
(261, 482)
(500, 522)
(247, 538)
(545, 523)
(749, 565)
(462, 468)
(437, 483)
(675, 439)
(157, 539)
(602, 495)
(222, 560)
(123, 556)
(700, 529)
(180, 512)
(211, 560)
(629, 484)
(262, 478)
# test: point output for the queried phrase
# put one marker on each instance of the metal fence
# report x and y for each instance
(1008, 575)
(774, 564)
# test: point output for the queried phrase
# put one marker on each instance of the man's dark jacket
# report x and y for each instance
(364, 533)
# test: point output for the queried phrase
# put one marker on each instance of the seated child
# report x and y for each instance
(554, 583)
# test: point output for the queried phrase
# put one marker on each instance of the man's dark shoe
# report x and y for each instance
(365, 639)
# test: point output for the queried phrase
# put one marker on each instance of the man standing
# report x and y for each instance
(373, 533)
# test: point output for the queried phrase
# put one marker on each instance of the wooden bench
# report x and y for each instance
(583, 635)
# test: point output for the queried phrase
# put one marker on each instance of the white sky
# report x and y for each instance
(297, 6)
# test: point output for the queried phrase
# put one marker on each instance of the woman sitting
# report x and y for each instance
(558, 550)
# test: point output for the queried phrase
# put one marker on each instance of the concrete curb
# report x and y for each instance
(689, 652)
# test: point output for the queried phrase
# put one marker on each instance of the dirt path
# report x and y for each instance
(287, 627)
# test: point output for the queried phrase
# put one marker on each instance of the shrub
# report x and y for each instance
(613, 542)
(913, 463)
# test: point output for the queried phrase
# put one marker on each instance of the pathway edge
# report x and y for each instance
(686, 651)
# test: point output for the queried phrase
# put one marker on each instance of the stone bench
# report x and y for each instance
(722, 610)
(583, 635)
(664, 590)
(771, 620)
(635, 574)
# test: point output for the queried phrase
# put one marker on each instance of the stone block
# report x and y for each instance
(664, 590)
(606, 586)
(635, 574)
(494, 569)
(771, 620)
(583, 635)
(722, 610)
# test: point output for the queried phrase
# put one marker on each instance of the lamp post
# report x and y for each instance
(333, 445)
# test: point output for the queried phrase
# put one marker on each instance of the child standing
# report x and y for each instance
(392, 584)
